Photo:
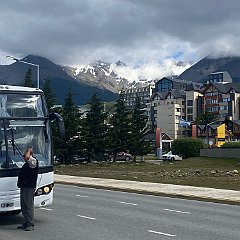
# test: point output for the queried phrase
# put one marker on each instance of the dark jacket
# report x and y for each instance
(28, 176)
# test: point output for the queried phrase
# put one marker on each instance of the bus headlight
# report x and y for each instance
(44, 190)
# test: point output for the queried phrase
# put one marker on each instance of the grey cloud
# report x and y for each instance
(75, 31)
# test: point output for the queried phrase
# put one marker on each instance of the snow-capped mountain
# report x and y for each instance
(61, 82)
(107, 79)
(100, 74)
(115, 76)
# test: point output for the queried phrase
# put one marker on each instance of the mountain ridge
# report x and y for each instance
(61, 81)
(105, 78)
(199, 71)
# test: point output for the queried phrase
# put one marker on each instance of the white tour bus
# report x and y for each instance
(25, 122)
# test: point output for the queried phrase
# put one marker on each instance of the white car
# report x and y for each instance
(170, 157)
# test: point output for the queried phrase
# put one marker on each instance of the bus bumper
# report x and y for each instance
(43, 200)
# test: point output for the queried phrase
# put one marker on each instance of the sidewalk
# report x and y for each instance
(199, 193)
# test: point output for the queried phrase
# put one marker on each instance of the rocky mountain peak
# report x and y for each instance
(120, 64)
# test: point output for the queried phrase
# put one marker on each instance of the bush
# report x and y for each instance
(187, 147)
(231, 145)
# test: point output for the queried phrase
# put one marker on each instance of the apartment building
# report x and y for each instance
(152, 109)
(171, 94)
(165, 110)
(144, 91)
(220, 77)
(221, 100)
(166, 84)
(193, 102)
(168, 118)
(173, 100)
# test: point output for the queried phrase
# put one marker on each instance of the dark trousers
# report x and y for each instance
(27, 203)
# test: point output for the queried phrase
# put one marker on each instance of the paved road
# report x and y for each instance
(97, 214)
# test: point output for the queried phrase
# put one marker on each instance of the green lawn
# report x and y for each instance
(205, 172)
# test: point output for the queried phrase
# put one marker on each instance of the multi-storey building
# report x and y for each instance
(166, 84)
(175, 100)
(172, 93)
(170, 111)
(220, 77)
(144, 92)
(154, 101)
(193, 101)
(221, 100)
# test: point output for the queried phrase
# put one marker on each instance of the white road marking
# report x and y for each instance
(172, 210)
(82, 196)
(161, 233)
(86, 217)
(47, 209)
(133, 204)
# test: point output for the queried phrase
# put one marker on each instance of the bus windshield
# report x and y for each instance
(23, 124)
(21, 105)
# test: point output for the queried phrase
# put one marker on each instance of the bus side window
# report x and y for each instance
(2, 153)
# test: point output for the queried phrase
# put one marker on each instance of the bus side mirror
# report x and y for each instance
(59, 119)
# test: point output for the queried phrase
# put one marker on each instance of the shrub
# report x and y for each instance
(187, 147)
(231, 145)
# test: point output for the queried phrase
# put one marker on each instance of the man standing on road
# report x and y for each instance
(27, 181)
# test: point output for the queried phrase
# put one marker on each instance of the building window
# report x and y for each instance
(164, 85)
(211, 101)
(190, 102)
(208, 101)
(211, 94)
(212, 109)
(236, 128)
(189, 111)
(224, 115)
(226, 99)
(223, 108)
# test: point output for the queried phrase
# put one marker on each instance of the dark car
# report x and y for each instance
(122, 156)
(80, 158)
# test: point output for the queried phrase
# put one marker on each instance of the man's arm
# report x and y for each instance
(28, 153)
(30, 159)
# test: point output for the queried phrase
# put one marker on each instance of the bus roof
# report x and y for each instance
(16, 89)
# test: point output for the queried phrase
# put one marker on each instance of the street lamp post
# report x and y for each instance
(28, 63)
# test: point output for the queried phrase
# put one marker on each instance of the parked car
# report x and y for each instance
(122, 156)
(80, 158)
(171, 157)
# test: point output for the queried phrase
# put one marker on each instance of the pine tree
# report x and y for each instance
(206, 118)
(50, 101)
(71, 116)
(119, 133)
(49, 94)
(138, 146)
(95, 130)
(28, 78)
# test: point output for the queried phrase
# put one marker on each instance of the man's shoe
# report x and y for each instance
(22, 226)
(29, 228)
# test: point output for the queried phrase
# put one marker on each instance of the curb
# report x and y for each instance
(176, 192)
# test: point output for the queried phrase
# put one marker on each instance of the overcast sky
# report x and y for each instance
(137, 32)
